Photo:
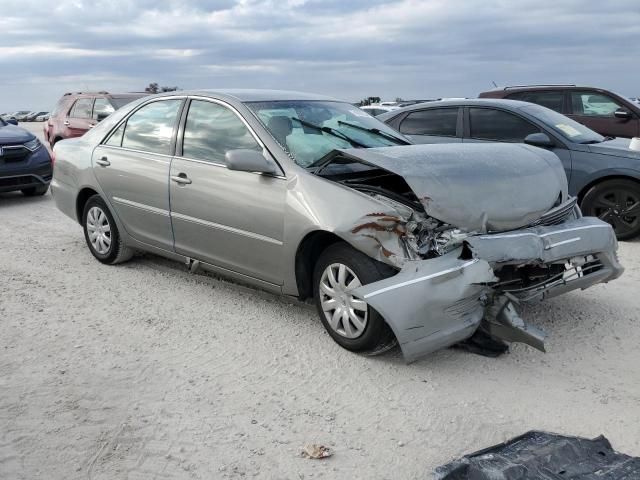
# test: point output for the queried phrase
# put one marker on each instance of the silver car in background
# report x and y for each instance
(424, 245)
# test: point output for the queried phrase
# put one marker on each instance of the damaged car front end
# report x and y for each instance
(474, 231)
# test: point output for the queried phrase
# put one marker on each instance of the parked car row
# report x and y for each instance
(603, 174)
(605, 112)
(396, 242)
(312, 197)
(25, 116)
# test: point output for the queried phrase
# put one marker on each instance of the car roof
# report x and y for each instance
(468, 102)
(253, 95)
(527, 88)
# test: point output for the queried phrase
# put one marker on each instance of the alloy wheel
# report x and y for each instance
(345, 314)
(620, 208)
(99, 230)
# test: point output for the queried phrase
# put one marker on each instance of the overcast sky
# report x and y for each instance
(345, 48)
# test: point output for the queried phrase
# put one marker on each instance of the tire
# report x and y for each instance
(617, 202)
(35, 191)
(372, 336)
(106, 245)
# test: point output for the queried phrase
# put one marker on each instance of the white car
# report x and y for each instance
(378, 109)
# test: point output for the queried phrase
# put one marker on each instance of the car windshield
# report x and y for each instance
(569, 129)
(309, 130)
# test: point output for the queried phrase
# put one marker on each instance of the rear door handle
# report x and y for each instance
(103, 162)
(181, 179)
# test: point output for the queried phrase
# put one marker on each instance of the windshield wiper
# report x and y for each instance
(590, 142)
(331, 131)
(377, 131)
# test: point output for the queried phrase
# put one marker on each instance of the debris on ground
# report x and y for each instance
(316, 452)
(540, 455)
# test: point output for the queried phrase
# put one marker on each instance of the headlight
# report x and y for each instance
(33, 145)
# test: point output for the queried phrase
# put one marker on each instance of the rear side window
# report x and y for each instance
(82, 108)
(550, 99)
(59, 106)
(212, 130)
(102, 107)
(435, 121)
(593, 104)
(115, 139)
(489, 124)
(150, 129)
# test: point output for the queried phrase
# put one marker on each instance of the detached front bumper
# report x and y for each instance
(433, 304)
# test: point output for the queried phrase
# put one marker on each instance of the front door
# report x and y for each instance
(79, 119)
(231, 219)
(597, 111)
(493, 125)
(132, 167)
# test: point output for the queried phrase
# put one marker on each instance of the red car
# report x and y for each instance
(76, 113)
(605, 112)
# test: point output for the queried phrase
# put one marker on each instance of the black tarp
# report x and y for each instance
(544, 456)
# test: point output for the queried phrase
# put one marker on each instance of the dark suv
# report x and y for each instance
(25, 163)
(76, 113)
(605, 112)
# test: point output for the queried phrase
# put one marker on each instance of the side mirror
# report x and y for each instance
(12, 121)
(245, 160)
(539, 140)
(101, 116)
(623, 113)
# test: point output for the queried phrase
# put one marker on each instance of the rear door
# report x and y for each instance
(231, 219)
(132, 167)
(433, 125)
(597, 111)
(80, 118)
(101, 108)
(483, 124)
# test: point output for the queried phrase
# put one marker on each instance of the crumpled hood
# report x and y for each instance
(618, 147)
(11, 135)
(476, 187)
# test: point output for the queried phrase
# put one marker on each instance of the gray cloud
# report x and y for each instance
(347, 49)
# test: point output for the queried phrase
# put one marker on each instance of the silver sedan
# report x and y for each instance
(421, 245)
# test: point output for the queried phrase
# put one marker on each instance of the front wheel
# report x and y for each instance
(349, 320)
(617, 202)
(101, 233)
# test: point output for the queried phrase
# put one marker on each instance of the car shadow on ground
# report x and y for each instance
(559, 317)
(9, 199)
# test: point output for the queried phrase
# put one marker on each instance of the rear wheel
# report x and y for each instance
(617, 202)
(349, 320)
(35, 191)
(101, 233)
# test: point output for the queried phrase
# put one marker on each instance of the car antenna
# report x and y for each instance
(494, 84)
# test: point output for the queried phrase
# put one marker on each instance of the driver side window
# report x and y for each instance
(212, 130)
(593, 104)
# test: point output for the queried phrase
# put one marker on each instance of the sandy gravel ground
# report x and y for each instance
(143, 371)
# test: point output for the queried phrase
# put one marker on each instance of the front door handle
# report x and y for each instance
(181, 179)
(66, 123)
(103, 162)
